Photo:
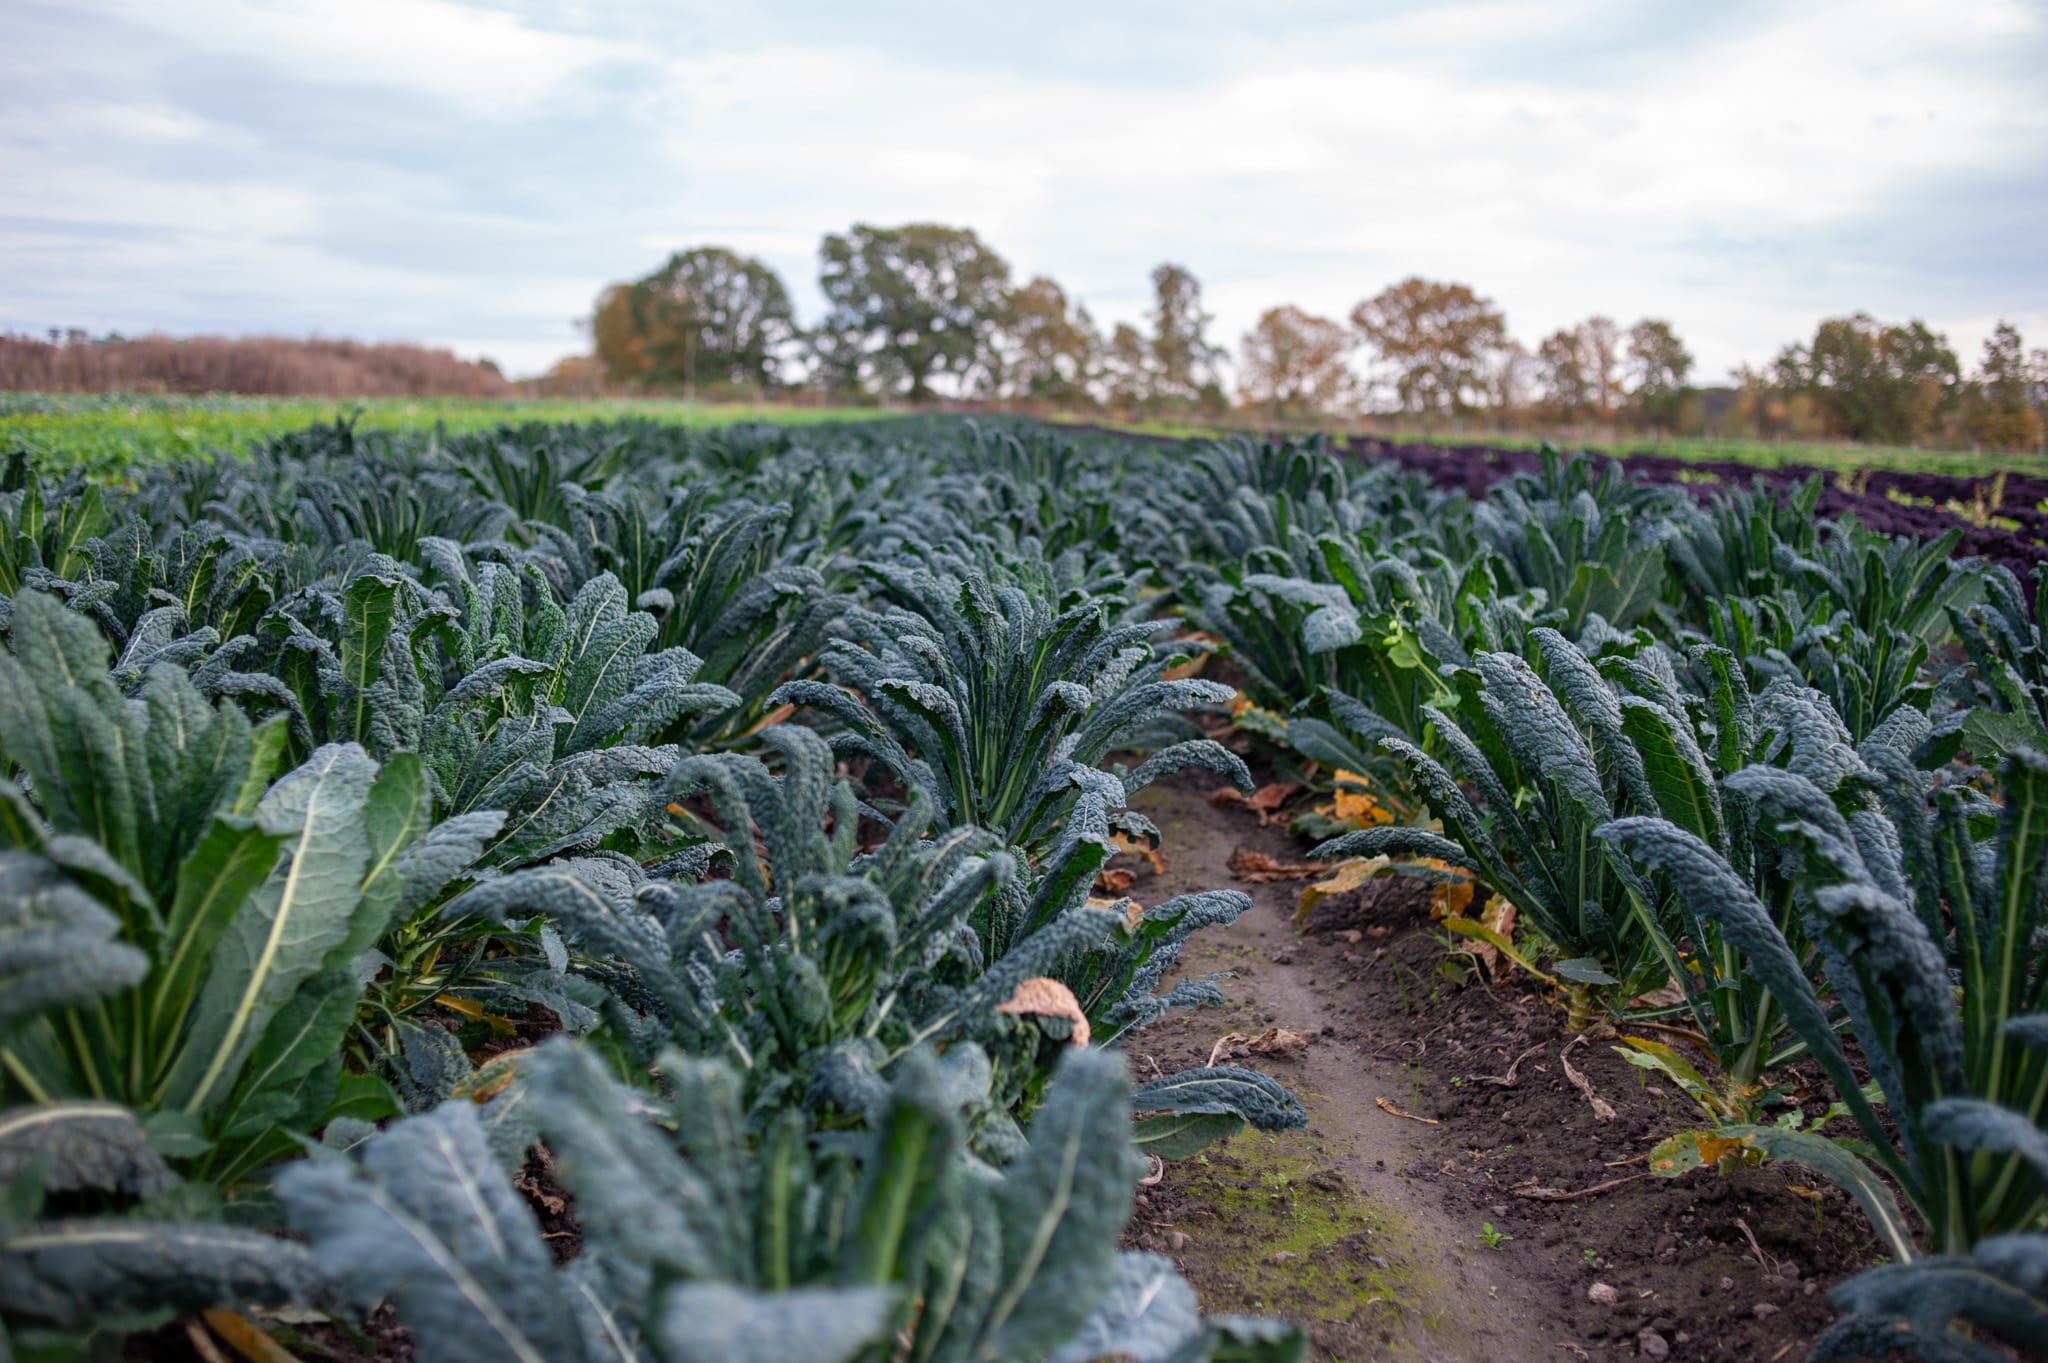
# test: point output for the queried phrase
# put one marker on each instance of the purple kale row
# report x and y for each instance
(1473, 469)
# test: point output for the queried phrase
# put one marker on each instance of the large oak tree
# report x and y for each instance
(1438, 339)
(1047, 347)
(707, 316)
(909, 303)
(1292, 363)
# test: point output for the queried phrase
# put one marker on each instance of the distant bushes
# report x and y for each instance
(257, 365)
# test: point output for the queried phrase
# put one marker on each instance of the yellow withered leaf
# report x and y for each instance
(474, 1011)
(246, 1337)
(492, 1077)
(1355, 806)
(1691, 1149)
(1346, 876)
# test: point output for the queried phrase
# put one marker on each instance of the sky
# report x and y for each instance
(470, 173)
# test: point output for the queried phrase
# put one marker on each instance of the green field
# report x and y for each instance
(114, 430)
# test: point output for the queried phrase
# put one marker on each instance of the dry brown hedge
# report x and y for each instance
(268, 365)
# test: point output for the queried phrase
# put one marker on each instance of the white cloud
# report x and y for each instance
(1743, 176)
(488, 62)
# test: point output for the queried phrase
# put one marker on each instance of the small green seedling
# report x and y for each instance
(1491, 1238)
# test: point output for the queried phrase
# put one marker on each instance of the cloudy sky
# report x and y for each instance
(471, 172)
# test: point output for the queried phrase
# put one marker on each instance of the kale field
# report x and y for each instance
(627, 890)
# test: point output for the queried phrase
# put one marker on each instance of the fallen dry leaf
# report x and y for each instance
(1602, 1109)
(1413, 1117)
(1670, 995)
(1279, 1042)
(1265, 801)
(1261, 869)
(535, 1191)
(1115, 880)
(1047, 997)
(1533, 1189)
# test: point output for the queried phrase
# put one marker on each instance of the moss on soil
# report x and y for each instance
(1293, 1234)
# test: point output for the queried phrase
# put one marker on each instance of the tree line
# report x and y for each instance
(925, 310)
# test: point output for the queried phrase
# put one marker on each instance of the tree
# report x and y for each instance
(2000, 409)
(1872, 382)
(1047, 350)
(1600, 348)
(1579, 370)
(1294, 363)
(1658, 361)
(1183, 361)
(1437, 338)
(910, 303)
(729, 316)
(1564, 372)
(708, 316)
(616, 333)
(1658, 364)
(1511, 379)
(1127, 368)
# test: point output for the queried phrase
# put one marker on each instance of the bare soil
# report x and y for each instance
(1417, 1239)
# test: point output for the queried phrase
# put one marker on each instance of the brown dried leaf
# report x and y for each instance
(1602, 1109)
(1047, 997)
(1386, 1106)
(1499, 915)
(534, 1191)
(1260, 869)
(1281, 1043)
(1265, 801)
(1670, 995)
(1115, 880)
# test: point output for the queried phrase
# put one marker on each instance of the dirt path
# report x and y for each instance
(1374, 1227)
(1327, 1223)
